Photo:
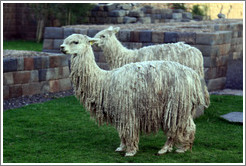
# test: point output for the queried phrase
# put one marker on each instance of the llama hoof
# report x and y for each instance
(164, 150)
(120, 149)
(130, 154)
(180, 151)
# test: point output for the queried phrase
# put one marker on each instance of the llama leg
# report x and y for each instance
(132, 144)
(122, 146)
(168, 147)
(187, 140)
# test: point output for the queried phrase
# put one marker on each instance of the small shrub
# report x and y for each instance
(178, 6)
(200, 10)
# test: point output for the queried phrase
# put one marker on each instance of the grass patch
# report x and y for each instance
(22, 45)
(60, 131)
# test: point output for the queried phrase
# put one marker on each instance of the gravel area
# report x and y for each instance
(20, 53)
(193, 26)
(38, 98)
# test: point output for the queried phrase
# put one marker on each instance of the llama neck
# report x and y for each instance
(114, 52)
(85, 66)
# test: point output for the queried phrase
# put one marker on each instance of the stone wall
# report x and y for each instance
(18, 22)
(123, 13)
(35, 74)
(220, 45)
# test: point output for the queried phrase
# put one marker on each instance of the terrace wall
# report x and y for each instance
(35, 75)
(222, 49)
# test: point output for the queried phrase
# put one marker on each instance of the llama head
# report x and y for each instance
(76, 43)
(106, 34)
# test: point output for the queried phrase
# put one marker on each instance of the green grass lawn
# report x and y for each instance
(22, 45)
(61, 131)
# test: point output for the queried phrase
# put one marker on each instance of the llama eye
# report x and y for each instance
(75, 42)
(102, 36)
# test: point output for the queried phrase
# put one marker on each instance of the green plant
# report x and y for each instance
(178, 6)
(73, 13)
(200, 10)
(61, 131)
(22, 45)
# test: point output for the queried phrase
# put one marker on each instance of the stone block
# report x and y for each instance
(21, 77)
(54, 85)
(42, 74)
(124, 35)
(234, 74)
(207, 38)
(236, 41)
(136, 13)
(103, 66)
(55, 61)
(135, 45)
(20, 63)
(64, 60)
(145, 36)
(8, 78)
(67, 32)
(117, 13)
(53, 33)
(166, 15)
(224, 49)
(170, 37)
(110, 7)
(127, 20)
(48, 44)
(176, 16)
(51, 74)
(213, 38)
(178, 11)
(147, 44)
(215, 72)
(187, 15)
(65, 84)
(45, 87)
(144, 20)
(9, 64)
(80, 31)
(209, 62)
(92, 32)
(41, 62)
(31, 88)
(15, 91)
(57, 43)
(157, 37)
(34, 76)
(28, 63)
(216, 84)
(208, 50)
(134, 36)
(65, 72)
(187, 37)
(5, 92)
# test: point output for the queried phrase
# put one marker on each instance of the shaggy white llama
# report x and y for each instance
(138, 97)
(117, 55)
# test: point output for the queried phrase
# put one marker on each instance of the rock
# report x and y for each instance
(127, 19)
(187, 15)
(145, 20)
(177, 15)
(233, 117)
(220, 15)
(136, 13)
(117, 13)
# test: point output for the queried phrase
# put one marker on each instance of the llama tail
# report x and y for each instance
(206, 97)
(206, 94)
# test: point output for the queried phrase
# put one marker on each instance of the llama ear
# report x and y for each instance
(110, 28)
(92, 40)
(116, 30)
